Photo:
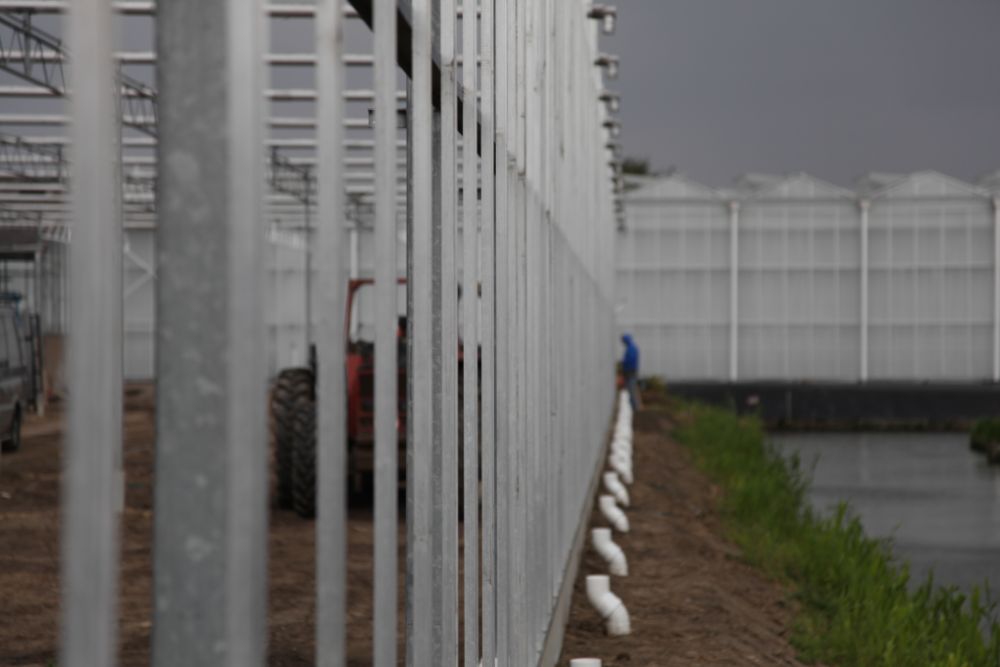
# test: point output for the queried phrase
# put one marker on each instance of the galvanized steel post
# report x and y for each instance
(470, 348)
(386, 465)
(421, 578)
(210, 525)
(91, 482)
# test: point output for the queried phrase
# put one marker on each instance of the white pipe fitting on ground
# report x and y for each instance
(622, 465)
(616, 488)
(608, 605)
(614, 514)
(621, 445)
(585, 662)
(612, 554)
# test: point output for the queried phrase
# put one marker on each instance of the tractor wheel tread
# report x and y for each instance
(291, 386)
(304, 459)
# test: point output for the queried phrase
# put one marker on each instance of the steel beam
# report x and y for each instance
(331, 521)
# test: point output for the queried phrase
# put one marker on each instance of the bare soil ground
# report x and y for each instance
(691, 598)
(29, 555)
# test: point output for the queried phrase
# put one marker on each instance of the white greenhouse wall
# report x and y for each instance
(673, 284)
(791, 307)
(799, 285)
(932, 264)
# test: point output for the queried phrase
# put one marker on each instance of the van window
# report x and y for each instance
(4, 357)
(13, 340)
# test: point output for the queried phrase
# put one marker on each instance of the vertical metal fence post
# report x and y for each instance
(470, 347)
(448, 340)
(191, 479)
(331, 261)
(90, 484)
(488, 336)
(386, 439)
(421, 631)
(210, 540)
(518, 426)
(246, 421)
(502, 338)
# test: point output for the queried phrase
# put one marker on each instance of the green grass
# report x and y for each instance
(855, 604)
(984, 432)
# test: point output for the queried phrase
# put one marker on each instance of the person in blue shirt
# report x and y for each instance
(630, 369)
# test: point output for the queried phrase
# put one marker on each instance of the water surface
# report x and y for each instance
(938, 500)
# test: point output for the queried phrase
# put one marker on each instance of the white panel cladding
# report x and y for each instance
(799, 289)
(931, 282)
(672, 280)
(931, 279)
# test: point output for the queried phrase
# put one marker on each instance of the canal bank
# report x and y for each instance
(855, 605)
(938, 501)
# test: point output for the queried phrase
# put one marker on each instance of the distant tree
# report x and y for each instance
(638, 166)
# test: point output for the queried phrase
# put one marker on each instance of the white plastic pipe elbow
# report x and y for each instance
(622, 465)
(621, 445)
(614, 514)
(608, 605)
(616, 488)
(612, 554)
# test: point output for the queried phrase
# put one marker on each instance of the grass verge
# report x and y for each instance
(855, 603)
(984, 432)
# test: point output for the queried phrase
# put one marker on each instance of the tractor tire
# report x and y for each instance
(292, 386)
(304, 458)
(13, 441)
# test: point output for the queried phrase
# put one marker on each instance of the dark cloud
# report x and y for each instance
(833, 87)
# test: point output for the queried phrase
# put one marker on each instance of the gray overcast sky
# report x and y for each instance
(833, 87)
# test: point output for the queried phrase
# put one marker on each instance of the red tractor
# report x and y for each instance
(293, 416)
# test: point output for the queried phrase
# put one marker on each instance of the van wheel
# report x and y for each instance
(13, 441)
(292, 385)
(304, 458)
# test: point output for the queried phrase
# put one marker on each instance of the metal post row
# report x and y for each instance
(499, 188)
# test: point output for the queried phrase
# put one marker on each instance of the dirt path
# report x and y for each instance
(691, 599)
(29, 556)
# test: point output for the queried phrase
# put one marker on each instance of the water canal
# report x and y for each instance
(936, 499)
